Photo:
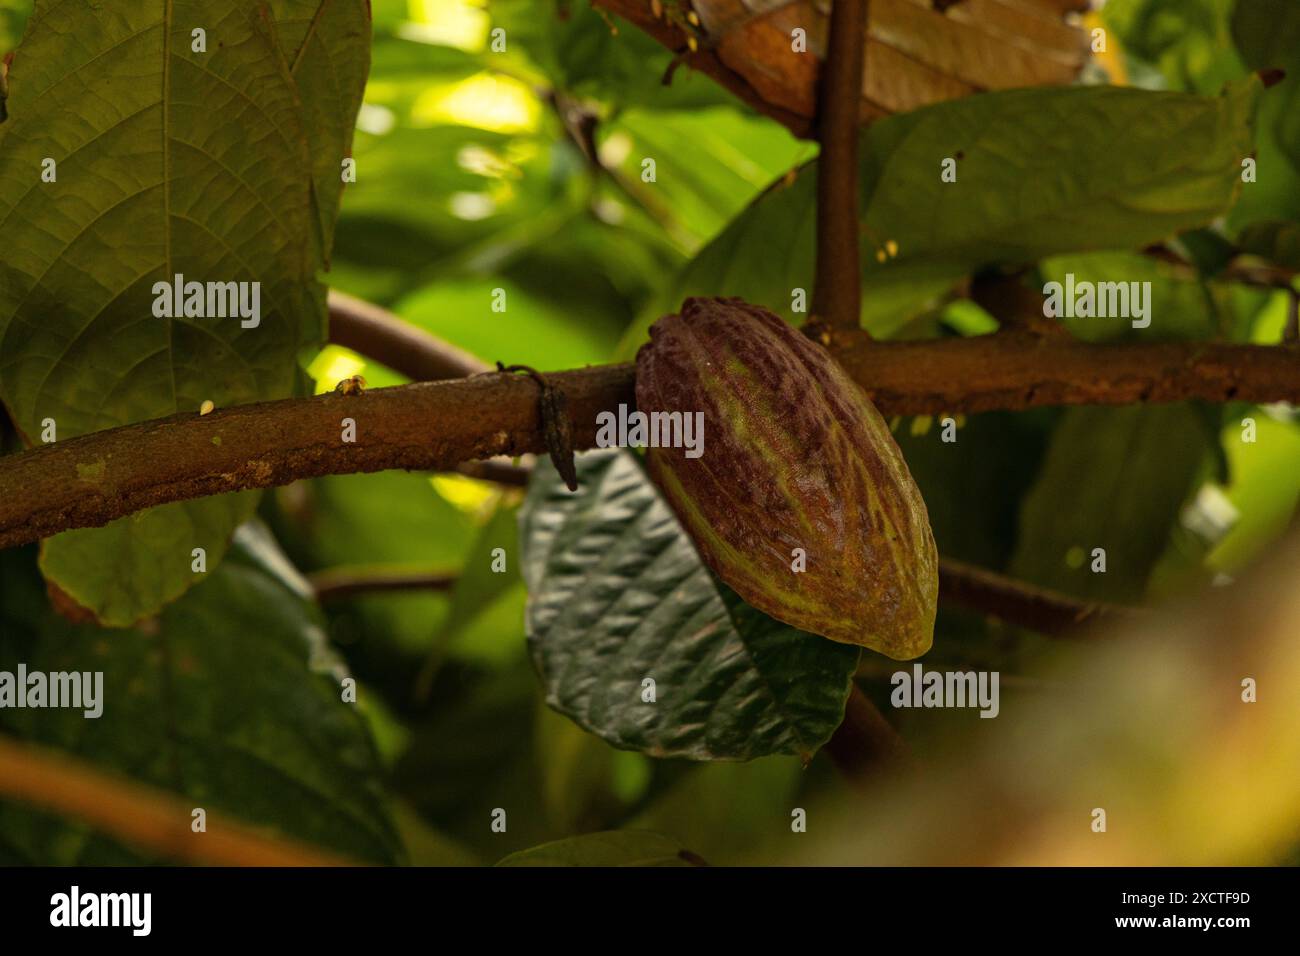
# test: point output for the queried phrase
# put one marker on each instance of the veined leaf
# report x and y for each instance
(617, 595)
(146, 141)
(327, 46)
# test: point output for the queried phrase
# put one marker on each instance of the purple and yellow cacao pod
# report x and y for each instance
(795, 461)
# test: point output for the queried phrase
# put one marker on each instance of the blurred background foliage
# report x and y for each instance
(521, 170)
(470, 178)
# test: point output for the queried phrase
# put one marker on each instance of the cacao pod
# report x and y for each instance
(795, 456)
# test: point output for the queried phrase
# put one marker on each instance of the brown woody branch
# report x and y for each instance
(378, 334)
(433, 426)
(94, 479)
(1048, 612)
(1017, 371)
(340, 583)
(139, 815)
(837, 289)
(865, 742)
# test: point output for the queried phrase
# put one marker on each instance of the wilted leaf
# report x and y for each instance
(915, 54)
(617, 595)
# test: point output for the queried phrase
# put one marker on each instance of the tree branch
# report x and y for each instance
(94, 479)
(1048, 612)
(1017, 371)
(337, 584)
(378, 334)
(865, 741)
(837, 291)
(139, 815)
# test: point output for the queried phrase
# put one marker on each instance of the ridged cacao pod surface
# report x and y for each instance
(794, 456)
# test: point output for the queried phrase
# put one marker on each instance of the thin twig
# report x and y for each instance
(340, 583)
(142, 816)
(1048, 612)
(379, 335)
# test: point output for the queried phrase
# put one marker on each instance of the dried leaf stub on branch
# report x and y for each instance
(916, 54)
(798, 498)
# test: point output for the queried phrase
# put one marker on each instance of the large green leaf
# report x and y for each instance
(232, 697)
(1040, 172)
(327, 46)
(169, 161)
(611, 848)
(1113, 478)
(617, 594)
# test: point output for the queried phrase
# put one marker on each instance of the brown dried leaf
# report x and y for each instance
(916, 55)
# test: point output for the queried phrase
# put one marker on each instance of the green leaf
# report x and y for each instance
(1267, 35)
(13, 20)
(697, 191)
(1264, 492)
(327, 46)
(231, 697)
(1040, 172)
(1186, 40)
(755, 799)
(169, 161)
(483, 582)
(462, 763)
(617, 594)
(972, 487)
(461, 311)
(1179, 309)
(1113, 478)
(583, 53)
(611, 848)
(1275, 240)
